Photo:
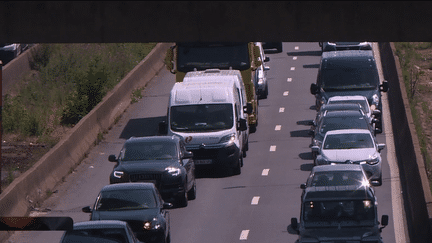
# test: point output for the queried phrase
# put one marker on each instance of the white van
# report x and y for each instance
(218, 75)
(207, 115)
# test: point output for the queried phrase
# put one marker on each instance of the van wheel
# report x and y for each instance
(237, 169)
(252, 128)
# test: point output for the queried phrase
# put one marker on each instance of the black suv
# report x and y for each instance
(338, 214)
(162, 160)
(351, 72)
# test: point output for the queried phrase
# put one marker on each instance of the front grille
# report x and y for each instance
(145, 177)
(205, 153)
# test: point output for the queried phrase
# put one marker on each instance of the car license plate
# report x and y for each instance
(203, 161)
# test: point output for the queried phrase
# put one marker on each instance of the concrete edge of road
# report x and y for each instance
(417, 198)
(32, 187)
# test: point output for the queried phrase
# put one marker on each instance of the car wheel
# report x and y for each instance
(237, 169)
(380, 180)
(192, 192)
(183, 199)
(252, 128)
(168, 238)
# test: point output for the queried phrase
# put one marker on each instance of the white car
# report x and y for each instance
(357, 146)
(340, 46)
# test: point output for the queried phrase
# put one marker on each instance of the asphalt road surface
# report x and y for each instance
(255, 206)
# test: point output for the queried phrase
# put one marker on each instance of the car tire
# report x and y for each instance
(237, 169)
(252, 128)
(380, 180)
(183, 199)
(192, 192)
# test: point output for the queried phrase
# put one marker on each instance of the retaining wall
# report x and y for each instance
(416, 192)
(53, 166)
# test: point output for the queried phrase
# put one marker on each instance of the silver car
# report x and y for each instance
(340, 46)
(357, 146)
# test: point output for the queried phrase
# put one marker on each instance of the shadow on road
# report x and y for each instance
(142, 127)
(305, 122)
(311, 66)
(306, 167)
(301, 133)
(305, 53)
(306, 156)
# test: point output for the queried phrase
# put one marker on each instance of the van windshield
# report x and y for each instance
(339, 213)
(202, 118)
(349, 78)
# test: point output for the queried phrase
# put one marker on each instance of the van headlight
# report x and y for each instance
(228, 138)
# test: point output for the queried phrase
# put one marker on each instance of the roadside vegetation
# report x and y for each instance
(65, 83)
(416, 63)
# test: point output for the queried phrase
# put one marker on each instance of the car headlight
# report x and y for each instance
(118, 174)
(174, 171)
(228, 138)
(151, 225)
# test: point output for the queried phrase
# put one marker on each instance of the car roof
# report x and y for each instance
(348, 54)
(336, 106)
(337, 167)
(173, 138)
(342, 113)
(348, 131)
(97, 224)
(131, 185)
(351, 192)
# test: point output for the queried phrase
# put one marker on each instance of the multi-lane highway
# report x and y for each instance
(255, 206)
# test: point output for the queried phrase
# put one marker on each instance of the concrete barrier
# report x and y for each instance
(53, 166)
(415, 185)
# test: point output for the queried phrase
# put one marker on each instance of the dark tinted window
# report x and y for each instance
(132, 199)
(348, 141)
(338, 123)
(151, 150)
(338, 178)
(96, 236)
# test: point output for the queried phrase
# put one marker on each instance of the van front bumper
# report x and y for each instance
(216, 155)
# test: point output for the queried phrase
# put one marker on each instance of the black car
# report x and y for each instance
(345, 213)
(139, 204)
(345, 73)
(162, 160)
(101, 231)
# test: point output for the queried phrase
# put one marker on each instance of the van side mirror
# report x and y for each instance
(381, 146)
(112, 158)
(314, 89)
(293, 227)
(248, 108)
(163, 128)
(384, 221)
(242, 125)
(267, 59)
(384, 87)
(266, 68)
(188, 155)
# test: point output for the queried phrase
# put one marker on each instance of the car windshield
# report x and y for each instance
(343, 122)
(149, 150)
(352, 77)
(338, 178)
(107, 235)
(339, 213)
(363, 103)
(348, 141)
(212, 55)
(207, 117)
(132, 199)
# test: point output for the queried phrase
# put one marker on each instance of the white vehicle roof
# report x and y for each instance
(348, 97)
(211, 74)
(202, 92)
(347, 131)
(337, 167)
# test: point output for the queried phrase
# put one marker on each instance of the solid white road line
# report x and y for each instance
(273, 148)
(244, 234)
(265, 172)
(282, 109)
(255, 200)
(286, 93)
(278, 127)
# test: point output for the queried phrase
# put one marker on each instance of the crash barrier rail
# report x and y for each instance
(415, 185)
(31, 187)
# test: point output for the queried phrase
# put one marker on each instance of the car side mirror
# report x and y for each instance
(86, 209)
(112, 158)
(293, 227)
(303, 186)
(242, 125)
(381, 146)
(248, 108)
(384, 86)
(163, 128)
(266, 59)
(266, 68)
(376, 112)
(314, 89)
(315, 149)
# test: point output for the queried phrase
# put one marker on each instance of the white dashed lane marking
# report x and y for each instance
(289, 80)
(265, 172)
(255, 200)
(273, 148)
(244, 234)
(294, 58)
(278, 127)
(282, 109)
(286, 93)
(296, 48)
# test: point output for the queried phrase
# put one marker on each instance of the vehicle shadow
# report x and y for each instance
(306, 167)
(271, 51)
(311, 66)
(305, 53)
(301, 133)
(306, 156)
(305, 122)
(142, 127)
(313, 107)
